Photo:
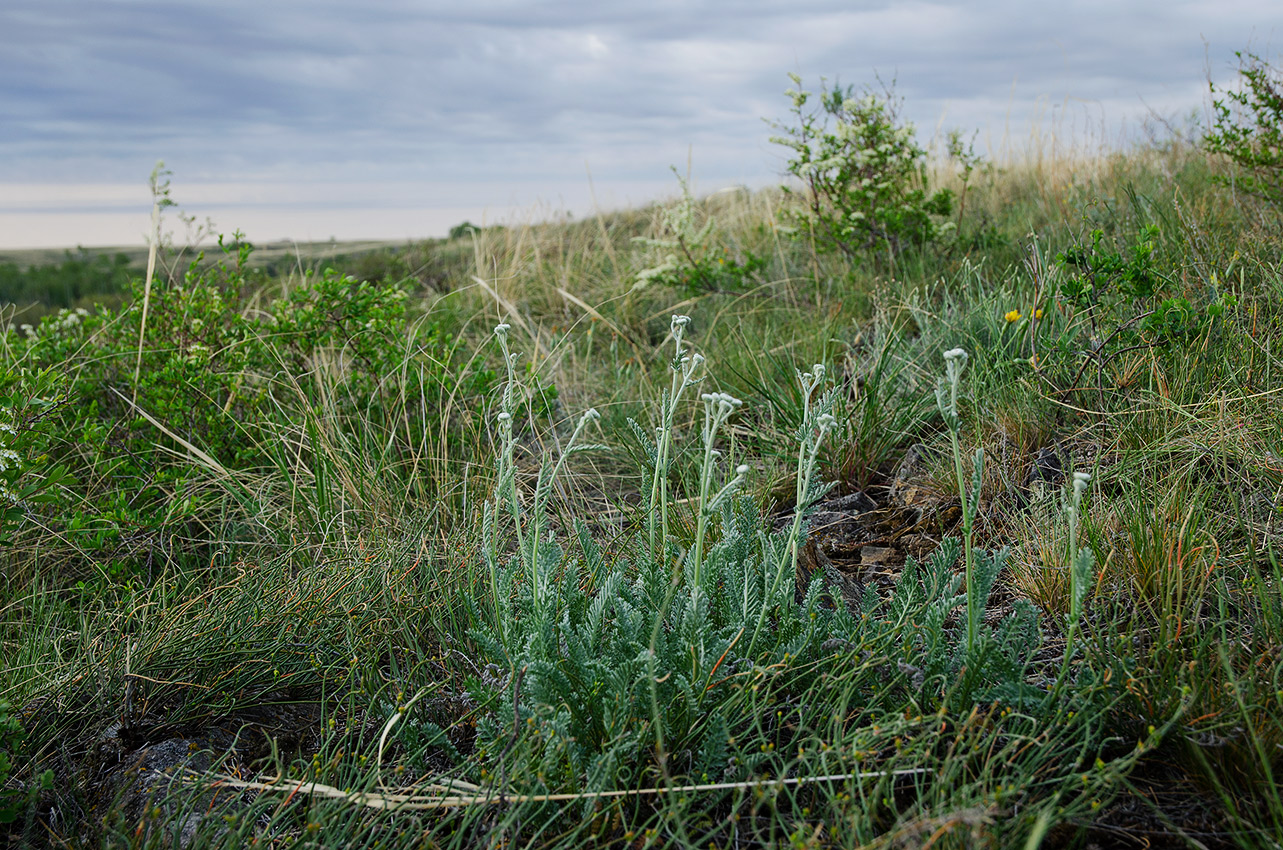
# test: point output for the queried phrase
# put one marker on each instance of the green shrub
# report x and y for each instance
(27, 476)
(65, 284)
(462, 230)
(229, 390)
(10, 737)
(1128, 301)
(1247, 127)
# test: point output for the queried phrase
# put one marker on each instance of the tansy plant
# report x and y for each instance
(1080, 560)
(601, 671)
(534, 542)
(817, 422)
(990, 661)
(686, 368)
(955, 360)
(581, 646)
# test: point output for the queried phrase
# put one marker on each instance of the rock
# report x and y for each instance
(857, 502)
(830, 529)
(1046, 466)
(145, 782)
(876, 556)
(813, 565)
(909, 487)
(130, 771)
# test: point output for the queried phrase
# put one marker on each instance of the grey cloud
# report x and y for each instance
(462, 92)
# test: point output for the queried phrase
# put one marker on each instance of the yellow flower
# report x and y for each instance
(1037, 314)
(1013, 316)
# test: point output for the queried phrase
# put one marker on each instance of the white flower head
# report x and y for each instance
(947, 390)
(1081, 480)
(501, 329)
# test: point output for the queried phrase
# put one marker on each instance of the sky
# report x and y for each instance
(397, 119)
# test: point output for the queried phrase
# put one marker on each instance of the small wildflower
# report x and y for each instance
(1037, 314)
(1012, 316)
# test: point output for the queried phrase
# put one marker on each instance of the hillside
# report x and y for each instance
(680, 526)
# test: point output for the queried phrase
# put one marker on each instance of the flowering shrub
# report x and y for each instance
(862, 168)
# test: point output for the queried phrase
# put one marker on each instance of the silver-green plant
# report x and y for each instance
(1081, 561)
(680, 235)
(506, 483)
(530, 545)
(955, 360)
(718, 407)
(817, 422)
(685, 367)
(506, 496)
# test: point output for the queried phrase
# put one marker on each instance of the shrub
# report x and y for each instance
(27, 477)
(1129, 301)
(79, 276)
(10, 737)
(1248, 128)
(225, 388)
(863, 171)
(462, 230)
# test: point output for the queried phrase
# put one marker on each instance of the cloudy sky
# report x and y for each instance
(311, 119)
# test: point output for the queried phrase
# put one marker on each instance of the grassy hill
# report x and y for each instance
(670, 527)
